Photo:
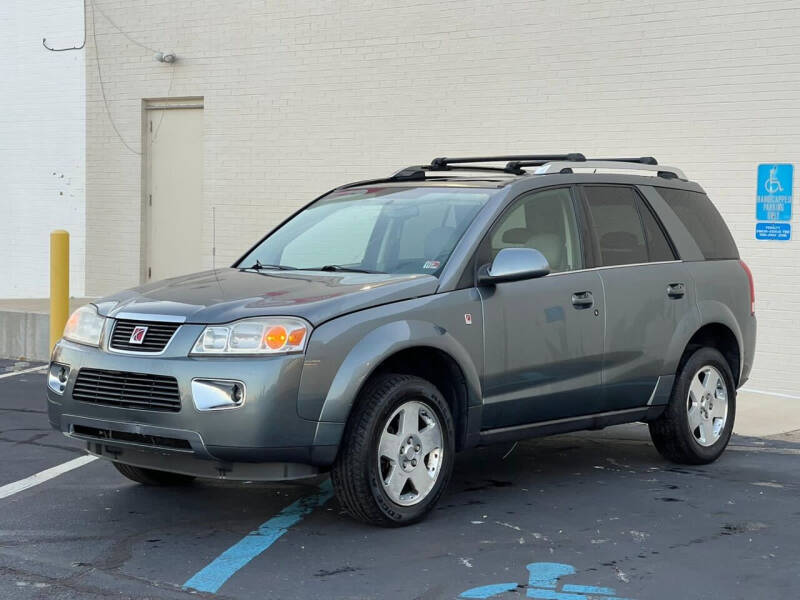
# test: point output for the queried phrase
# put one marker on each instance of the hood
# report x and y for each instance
(224, 295)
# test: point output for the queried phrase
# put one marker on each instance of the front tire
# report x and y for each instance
(397, 453)
(153, 477)
(697, 424)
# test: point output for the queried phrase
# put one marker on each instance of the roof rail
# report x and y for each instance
(639, 164)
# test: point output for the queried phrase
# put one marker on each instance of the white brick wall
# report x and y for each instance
(301, 96)
(42, 133)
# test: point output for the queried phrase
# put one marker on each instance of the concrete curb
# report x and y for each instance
(25, 327)
(24, 335)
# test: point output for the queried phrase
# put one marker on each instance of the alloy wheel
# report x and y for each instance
(707, 405)
(410, 453)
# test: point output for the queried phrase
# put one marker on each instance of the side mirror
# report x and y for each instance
(514, 264)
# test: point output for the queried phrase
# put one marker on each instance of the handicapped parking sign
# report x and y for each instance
(543, 583)
(774, 192)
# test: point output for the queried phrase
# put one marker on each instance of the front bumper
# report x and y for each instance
(264, 438)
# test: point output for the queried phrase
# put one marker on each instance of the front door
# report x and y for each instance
(543, 338)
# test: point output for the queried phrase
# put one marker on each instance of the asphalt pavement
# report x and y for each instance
(591, 515)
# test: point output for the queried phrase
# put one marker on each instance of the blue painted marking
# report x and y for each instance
(543, 580)
(222, 568)
(554, 595)
(774, 192)
(546, 575)
(589, 589)
(487, 591)
(781, 232)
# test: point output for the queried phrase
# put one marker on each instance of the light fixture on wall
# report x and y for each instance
(165, 57)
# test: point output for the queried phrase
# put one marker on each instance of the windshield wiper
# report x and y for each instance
(259, 266)
(342, 268)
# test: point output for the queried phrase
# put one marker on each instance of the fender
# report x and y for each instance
(343, 352)
(378, 345)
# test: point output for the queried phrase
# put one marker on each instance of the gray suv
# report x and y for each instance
(394, 322)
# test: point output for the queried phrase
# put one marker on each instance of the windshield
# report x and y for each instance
(375, 229)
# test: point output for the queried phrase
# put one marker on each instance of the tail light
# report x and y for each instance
(752, 287)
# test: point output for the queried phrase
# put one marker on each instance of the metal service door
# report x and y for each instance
(173, 189)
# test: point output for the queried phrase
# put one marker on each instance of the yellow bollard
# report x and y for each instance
(59, 284)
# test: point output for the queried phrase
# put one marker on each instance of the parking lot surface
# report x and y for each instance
(590, 515)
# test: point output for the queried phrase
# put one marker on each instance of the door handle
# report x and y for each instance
(581, 300)
(676, 290)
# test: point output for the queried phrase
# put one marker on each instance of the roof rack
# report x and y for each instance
(645, 160)
(444, 163)
(545, 163)
(555, 163)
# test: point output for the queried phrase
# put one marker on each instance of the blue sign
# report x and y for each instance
(774, 192)
(781, 232)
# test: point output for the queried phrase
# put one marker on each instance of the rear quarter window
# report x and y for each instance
(703, 221)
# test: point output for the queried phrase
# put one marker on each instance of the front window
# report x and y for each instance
(545, 221)
(373, 229)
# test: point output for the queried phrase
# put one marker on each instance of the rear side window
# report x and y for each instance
(616, 225)
(703, 221)
(625, 230)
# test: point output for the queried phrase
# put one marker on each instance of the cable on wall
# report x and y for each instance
(44, 39)
(102, 85)
(160, 56)
(118, 28)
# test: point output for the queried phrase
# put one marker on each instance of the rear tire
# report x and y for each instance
(397, 452)
(153, 477)
(697, 424)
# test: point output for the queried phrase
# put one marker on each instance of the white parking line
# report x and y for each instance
(31, 370)
(776, 394)
(23, 484)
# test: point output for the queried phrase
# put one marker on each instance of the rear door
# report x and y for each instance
(647, 291)
(543, 338)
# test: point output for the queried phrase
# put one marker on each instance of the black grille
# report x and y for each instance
(156, 338)
(127, 390)
(136, 438)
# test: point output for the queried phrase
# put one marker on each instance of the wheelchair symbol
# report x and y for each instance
(543, 582)
(773, 185)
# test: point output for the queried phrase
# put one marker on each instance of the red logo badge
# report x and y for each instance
(137, 337)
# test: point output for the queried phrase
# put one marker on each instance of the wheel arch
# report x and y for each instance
(439, 368)
(412, 348)
(722, 338)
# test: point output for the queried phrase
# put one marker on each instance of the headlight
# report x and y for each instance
(267, 335)
(85, 326)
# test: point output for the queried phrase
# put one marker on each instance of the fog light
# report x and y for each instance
(57, 377)
(217, 394)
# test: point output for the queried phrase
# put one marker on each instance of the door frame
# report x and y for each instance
(148, 104)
